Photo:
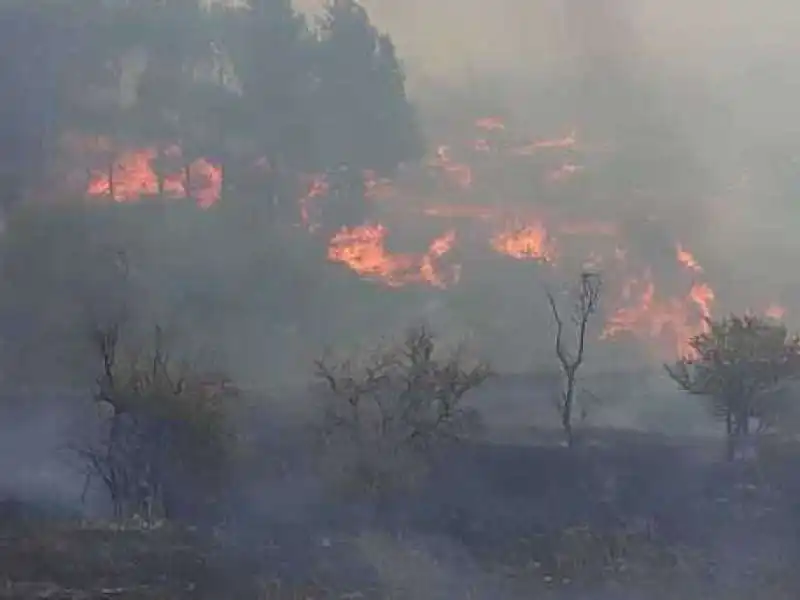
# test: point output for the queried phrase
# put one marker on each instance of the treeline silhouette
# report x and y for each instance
(234, 85)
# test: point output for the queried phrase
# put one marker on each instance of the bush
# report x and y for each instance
(166, 431)
(385, 417)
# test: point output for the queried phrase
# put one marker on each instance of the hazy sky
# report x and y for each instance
(448, 38)
(725, 76)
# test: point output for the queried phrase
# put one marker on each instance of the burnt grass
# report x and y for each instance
(622, 516)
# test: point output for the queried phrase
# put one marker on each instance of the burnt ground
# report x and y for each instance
(625, 516)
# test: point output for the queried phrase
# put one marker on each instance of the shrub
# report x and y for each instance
(385, 417)
(166, 432)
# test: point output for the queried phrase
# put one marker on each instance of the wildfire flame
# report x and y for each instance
(363, 250)
(687, 259)
(675, 320)
(775, 311)
(641, 307)
(526, 242)
(133, 174)
(490, 123)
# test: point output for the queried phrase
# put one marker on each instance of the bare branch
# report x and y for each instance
(395, 409)
(586, 304)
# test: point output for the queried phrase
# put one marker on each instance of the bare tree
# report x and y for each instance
(587, 298)
(384, 418)
(166, 426)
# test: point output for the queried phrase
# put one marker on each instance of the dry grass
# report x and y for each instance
(133, 562)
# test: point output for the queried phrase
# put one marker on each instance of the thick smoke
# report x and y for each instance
(711, 87)
(696, 103)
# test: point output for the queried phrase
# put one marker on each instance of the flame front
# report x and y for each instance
(674, 320)
(525, 242)
(132, 174)
(455, 190)
(363, 250)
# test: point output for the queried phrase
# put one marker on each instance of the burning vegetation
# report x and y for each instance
(640, 306)
(254, 182)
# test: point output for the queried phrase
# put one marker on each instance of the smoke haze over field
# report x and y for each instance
(655, 138)
(711, 87)
(238, 247)
(450, 40)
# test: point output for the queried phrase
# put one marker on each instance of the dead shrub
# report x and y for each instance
(386, 416)
(166, 432)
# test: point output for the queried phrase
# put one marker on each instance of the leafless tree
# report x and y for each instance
(586, 301)
(166, 422)
(385, 416)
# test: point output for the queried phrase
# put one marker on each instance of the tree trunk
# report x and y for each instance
(730, 444)
(187, 179)
(160, 171)
(224, 172)
(566, 410)
(111, 191)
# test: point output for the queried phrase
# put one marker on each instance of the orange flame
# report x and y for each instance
(363, 250)
(133, 175)
(490, 123)
(673, 320)
(644, 308)
(775, 311)
(687, 259)
(526, 242)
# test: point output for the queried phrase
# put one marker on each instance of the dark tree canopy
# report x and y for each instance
(361, 88)
(735, 364)
(236, 85)
(29, 65)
